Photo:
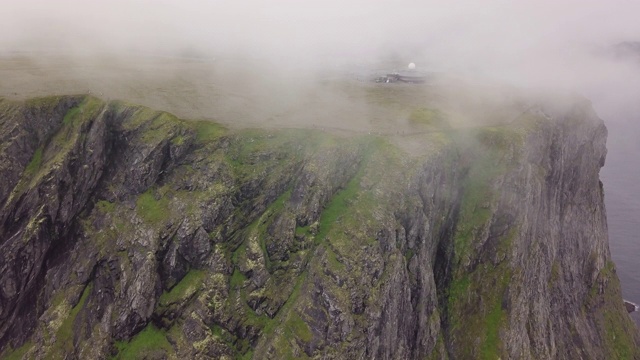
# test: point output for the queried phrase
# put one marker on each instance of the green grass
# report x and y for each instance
(248, 355)
(70, 115)
(297, 327)
(237, 279)
(149, 340)
(493, 321)
(476, 323)
(161, 127)
(458, 290)
(61, 144)
(338, 206)
(261, 224)
(178, 140)
(478, 197)
(19, 353)
(303, 230)
(294, 326)
(44, 102)
(190, 283)
(428, 117)
(34, 165)
(207, 131)
(619, 341)
(64, 335)
(333, 262)
(618, 327)
(151, 210)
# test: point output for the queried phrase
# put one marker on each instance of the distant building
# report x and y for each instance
(407, 76)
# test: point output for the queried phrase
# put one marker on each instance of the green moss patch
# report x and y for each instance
(19, 353)
(64, 335)
(476, 314)
(237, 279)
(152, 210)
(298, 328)
(70, 115)
(207, 131)
(34, 164)
(149, 342)
(189, 285)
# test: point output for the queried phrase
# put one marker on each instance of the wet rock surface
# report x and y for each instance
(128, 233)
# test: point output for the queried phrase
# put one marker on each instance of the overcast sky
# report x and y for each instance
(492, 30)
(541, 42)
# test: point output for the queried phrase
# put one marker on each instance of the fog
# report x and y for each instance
(283, 62)
(258, 60)
(563, 46)
(538, 42)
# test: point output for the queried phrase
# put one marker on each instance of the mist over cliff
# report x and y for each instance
(226, 180)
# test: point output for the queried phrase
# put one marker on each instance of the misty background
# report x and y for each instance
(262, 61)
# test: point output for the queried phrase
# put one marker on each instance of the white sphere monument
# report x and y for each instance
(412, 66)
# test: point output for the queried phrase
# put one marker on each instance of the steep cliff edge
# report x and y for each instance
(128, 233)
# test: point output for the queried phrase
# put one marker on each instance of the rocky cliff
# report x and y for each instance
(128, 233)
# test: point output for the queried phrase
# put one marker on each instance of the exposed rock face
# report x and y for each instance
(127, 232)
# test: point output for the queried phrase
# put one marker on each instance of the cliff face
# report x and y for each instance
(128, 233)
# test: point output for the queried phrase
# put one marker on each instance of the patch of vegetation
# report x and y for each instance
(19, 353)
(150, 209)
(270, 324)
(161, 127)
(338, 206)
(458, 290)
(491, 344)
(105, 207)
(477, 323)
(190, 284)
(64, 335)
(139, 115)
(303, 230)
(475, 212)
(178, 140)
(61, 144)
(618, 338)
(248, 355)
(70, 115)
(237, 279)
(499, 137)
(259, 227)
(478, 197)
(617, 326)
(47, 101)
(426, 117)
(207, 131)
(34, 164)
(296, 327)
(334, 264)
(408, 254)
(149, 341)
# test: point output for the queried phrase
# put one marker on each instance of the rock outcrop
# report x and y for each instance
(129, 233)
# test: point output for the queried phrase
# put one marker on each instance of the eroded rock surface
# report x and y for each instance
(128, 233)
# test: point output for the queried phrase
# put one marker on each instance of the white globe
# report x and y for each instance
(412, 66)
